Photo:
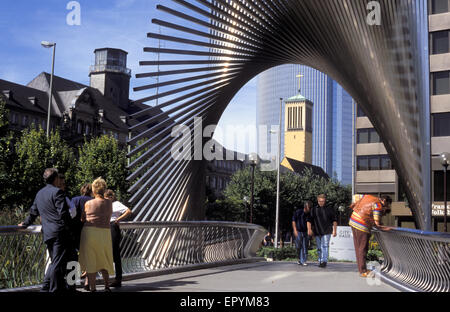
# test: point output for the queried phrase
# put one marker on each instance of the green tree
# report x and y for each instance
(102, 157)
(7, 157)
(295, 189)
(35, 152)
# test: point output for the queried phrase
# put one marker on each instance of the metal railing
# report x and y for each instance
(145, 247)
(110, 68)
(416, 260)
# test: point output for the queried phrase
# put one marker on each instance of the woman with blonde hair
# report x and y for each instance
(96, 246)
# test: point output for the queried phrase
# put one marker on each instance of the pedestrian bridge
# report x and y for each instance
(194, 256)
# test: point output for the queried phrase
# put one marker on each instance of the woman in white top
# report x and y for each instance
(120, 212)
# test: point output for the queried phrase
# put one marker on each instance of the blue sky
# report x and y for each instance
(104, 23)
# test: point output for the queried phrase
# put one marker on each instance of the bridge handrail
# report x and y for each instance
(145, 246)
(419, 233)
(417, 260)
(36, 229)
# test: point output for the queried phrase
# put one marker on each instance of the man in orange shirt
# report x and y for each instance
(367, 213)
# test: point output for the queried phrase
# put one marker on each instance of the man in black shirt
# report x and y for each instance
(322, 222)
(300, 230)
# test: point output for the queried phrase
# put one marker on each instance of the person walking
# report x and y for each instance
(322, 223)
(51, 205)
(119, 212)
(95, 242)
(367, 213)
(300, 230)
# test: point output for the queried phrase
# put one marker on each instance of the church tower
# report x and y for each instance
(298, 128)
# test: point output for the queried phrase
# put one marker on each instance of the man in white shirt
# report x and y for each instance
(120, 212)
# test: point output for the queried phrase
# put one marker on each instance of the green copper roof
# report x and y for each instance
(296, 98)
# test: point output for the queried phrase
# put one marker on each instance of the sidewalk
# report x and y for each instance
(261, 277)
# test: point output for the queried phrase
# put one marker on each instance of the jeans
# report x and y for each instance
(323, 243)
(302, 245)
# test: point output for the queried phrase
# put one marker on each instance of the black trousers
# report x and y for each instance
(54, 280)
(116, 236)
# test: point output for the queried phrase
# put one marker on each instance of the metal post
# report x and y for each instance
(51, 91)
(445, 198)
(278, 176)
(252, 192)
(129, 148)
(353, 149)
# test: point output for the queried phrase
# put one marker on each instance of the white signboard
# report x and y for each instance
(342, 246)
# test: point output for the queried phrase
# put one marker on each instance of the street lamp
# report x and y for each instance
(278, 175)
(445, 160)
(48, 45)
(253, 159)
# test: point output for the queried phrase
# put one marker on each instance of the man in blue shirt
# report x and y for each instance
(300, 230)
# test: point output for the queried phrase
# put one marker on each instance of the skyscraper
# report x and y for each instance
(332, 114)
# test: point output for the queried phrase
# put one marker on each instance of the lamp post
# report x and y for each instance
(48, 45)
(253, 158)
(445, 158)
(278, 176)
(246, 202)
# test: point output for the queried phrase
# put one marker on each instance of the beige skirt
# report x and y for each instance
(96, 250)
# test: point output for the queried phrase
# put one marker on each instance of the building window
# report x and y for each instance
(386, 163)
(79, 127)
(87, 129)
(438, 186)
(374, 162)
(360, 113)
(440, 124)
(25, 120)
(308, 119)
(44, 124)
(365, 136)
(440, 42)
(439, 6)
(100, 57)
(13, 118)
(440, 82)
(363, 163)
(35, 122)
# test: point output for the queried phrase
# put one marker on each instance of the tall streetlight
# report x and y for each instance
(278, 176)
(445, 160)
(48, 45)
(253, 159)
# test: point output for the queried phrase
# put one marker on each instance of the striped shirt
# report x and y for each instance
(358, 223)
